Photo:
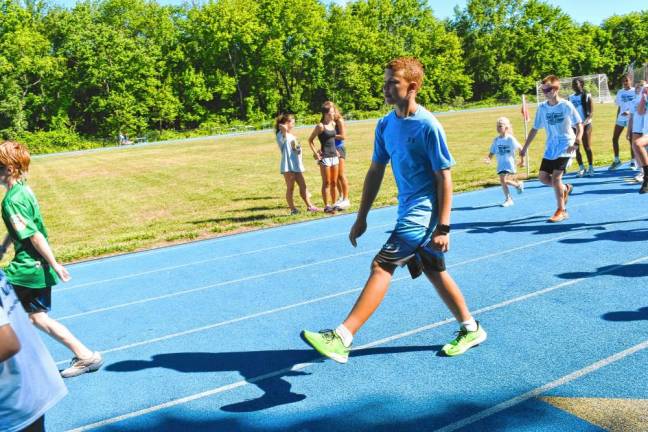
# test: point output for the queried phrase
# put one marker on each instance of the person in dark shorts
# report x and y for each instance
(327, 155)
(34, 269)
(343, 202)
(559, 118)
(415, 143)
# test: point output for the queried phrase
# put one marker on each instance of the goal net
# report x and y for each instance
(595, 85)
(638, 73)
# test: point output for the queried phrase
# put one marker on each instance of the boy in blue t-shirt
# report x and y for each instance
(415, 143)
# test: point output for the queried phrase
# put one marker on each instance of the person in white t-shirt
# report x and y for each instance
(636, 123)
(624, 98)
(504, 147)
(641, 143)
(564, 129)
(582, 101)
(291, 164)
(30, 383)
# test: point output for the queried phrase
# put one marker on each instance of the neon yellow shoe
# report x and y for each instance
(464, 341)
(327, 343)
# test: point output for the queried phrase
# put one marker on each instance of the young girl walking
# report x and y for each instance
(291, 164)
(504, 147)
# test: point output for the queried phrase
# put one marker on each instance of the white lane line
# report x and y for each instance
(206, 287)
(543, 389)
(163, 269)
(259, 276)
(224, 283)
(175, 267)
(300, 366)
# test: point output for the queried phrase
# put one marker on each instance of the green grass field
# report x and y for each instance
(103, 203)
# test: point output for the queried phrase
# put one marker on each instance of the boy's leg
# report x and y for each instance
(371, 296)
(587, 139)
(503, 182)
(470, 332)
(61, 333)
(335, 344)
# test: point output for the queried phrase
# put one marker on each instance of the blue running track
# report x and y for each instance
(205, 335)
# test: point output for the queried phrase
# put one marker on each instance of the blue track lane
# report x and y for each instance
(204, 336)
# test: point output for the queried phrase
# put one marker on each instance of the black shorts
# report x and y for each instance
(342, 150)
(34, 299)
(410, 245)
(549, 165)
(504, 172)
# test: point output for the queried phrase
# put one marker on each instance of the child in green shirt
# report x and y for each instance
(34, 270)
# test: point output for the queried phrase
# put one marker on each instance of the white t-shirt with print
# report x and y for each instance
(624, 100)
(504, 149)
(30, 383)
(557, 120)
(577, 101)
(638, 120)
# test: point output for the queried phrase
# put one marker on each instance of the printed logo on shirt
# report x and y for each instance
(503, 150)
(411, 140)
(576, 101)
(627, 98)
(18, 222)
(554, 118)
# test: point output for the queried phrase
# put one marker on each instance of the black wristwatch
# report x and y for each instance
(443, 229)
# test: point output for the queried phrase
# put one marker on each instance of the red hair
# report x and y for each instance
(412, 69)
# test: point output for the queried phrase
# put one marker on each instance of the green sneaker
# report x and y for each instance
(465, 340)
(327, 343)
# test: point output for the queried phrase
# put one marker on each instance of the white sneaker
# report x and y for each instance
(508, 202)
(581, 171)
(638, 178)
(633, 165)
(343, 204)
(80, 366)
(520, 188)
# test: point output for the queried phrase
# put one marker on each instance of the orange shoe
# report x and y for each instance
(559, 216)
(568, 190)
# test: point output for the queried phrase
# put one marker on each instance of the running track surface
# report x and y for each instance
(205, 335)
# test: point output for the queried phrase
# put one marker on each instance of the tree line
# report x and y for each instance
(108, 65)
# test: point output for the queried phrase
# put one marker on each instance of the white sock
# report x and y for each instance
(345, 335)
(470, 325)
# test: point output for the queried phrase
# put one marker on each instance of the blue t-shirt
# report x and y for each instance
(416, 146)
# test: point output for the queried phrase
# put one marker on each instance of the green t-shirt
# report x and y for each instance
(22, 217)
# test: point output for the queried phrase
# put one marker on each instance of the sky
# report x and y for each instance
(594, 11)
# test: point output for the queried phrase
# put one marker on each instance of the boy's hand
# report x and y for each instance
(62, 272)
(487, 160)
(441, 242)
(358, 228)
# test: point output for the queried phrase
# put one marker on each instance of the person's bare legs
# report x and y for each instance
(59, 332)
(325, 172)
(289, 177)
(371, 296)
(303, 190)
(333, 179)
(615, 139)
(559, 188)
(450, 293)
(343, 183)
(504, 184)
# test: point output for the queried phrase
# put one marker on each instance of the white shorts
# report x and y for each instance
(330, 161)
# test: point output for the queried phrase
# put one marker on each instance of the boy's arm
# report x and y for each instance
(9, 344)
(441, 240)
(527, 143)
(4, 245)
(372, 183)
(42, 247)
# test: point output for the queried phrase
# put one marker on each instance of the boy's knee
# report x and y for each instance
(39, 319)
(381, 267)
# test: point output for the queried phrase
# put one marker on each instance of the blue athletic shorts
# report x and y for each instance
(34, 299)
(411, 244)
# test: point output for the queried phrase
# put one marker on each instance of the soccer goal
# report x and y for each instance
(596, 85)
(638, 72)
